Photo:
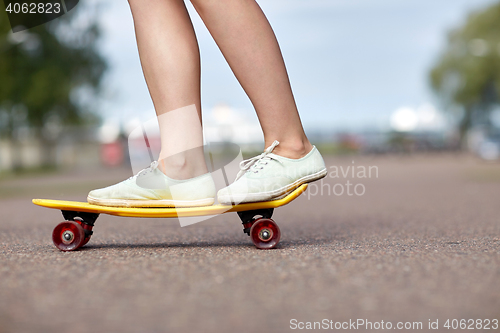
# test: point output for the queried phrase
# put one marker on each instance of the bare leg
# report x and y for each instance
(171, 63)
(249, 45)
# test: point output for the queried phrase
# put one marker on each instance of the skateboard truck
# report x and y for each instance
(86, 220)
(249, 217)
(258, 224)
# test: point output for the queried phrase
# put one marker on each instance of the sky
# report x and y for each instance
(352, 63)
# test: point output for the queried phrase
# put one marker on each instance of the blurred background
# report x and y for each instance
(410, 88)
(370, 77)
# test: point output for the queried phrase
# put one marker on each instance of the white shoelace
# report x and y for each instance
(150, 168)
(256, 163)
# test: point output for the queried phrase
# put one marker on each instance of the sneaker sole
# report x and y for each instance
(272, 195)
(150, 203)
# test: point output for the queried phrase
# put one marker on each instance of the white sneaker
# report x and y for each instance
(152, 188)
(269, 176)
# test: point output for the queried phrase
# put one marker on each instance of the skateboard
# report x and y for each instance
(80, 217)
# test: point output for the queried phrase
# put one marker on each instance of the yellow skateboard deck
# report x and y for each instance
(80, 217)
(168, 212)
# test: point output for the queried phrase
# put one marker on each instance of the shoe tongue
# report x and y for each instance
(152, 181)
(273, 156)
(266, 158)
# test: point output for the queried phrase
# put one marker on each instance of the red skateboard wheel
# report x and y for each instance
(265, 233)
(68, 236)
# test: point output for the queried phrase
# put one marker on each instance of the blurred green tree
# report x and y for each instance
(467, 75)
(45, 73)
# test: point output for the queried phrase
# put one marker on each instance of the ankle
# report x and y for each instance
(293, 149)
(181, 167)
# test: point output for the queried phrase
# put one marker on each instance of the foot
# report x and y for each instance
(152, 188)
(269, 176)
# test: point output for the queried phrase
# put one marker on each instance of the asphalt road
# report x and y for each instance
(422, 243)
